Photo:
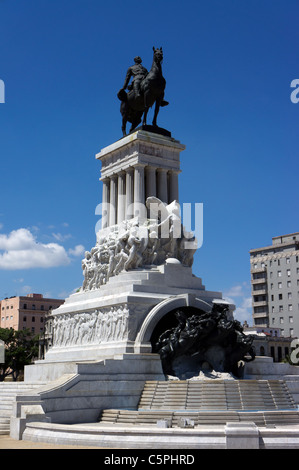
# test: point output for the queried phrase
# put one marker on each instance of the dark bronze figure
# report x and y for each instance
(146, 89)
(208, 337)
(138, 72)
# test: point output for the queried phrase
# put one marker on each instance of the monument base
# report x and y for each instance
(119, 317)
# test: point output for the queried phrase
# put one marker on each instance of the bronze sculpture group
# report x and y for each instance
(208, 338)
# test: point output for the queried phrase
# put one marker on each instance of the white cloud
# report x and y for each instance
(59, 237)
(239, 295)
(235, 291)
(22, 251)
(77, 251)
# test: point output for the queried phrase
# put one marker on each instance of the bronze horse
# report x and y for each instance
(151, 91)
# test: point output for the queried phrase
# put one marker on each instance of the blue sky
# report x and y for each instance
(228, 66)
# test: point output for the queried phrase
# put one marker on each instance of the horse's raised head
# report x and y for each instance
(158, 54)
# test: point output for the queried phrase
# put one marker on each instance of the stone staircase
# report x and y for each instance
(208, 402)
(217, 394)
(8, 392)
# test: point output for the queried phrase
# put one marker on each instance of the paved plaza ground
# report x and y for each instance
(7, 442)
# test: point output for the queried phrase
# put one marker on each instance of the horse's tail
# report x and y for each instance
(122, 95)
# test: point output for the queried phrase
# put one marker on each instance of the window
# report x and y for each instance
(279, 296)
(25, 306)
(278, 273)
(278, 262)
(288, 283)
(33, 329)
(33, 307)
(291, 331)
(290, 307)
(272, 308)
(280, 285)
(281, 320)
(272, 297)
(24, 318)
(281, 308)
(42, 320)
(288, 272)
(289, 295)
(288, 260)
(291, 320)
(33, 319)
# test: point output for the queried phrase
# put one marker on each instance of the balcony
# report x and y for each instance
(261, 315)
(258, 270)
(261, 280)
(261, 303)
(260, 291)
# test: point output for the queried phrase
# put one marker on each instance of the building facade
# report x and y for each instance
(275, 285)
(269, 342)
(25, 312)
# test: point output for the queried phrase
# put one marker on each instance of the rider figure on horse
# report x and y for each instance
(138, 72)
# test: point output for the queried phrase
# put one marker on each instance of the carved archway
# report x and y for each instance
(143, 339)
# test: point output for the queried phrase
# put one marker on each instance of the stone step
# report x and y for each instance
(260, 418)
(247, 394)
(8, 392)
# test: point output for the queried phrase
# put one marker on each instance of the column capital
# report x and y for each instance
(162, 170)
(139, 165)
(150, 168)
(105, 179)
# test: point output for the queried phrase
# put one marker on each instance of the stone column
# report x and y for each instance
(113, 200)
(105, 203)
(121, 198)
(129, 193)
(162, 190)
(174, 185)
(150, 180)
(139, 192)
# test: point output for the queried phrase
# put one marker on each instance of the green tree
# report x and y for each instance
(21, 347)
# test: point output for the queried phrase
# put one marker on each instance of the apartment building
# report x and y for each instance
(275, 285)
(28, 311)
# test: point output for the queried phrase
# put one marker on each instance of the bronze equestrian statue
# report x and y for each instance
(146, 89)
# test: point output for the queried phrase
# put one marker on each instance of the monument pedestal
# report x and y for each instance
(120, 317)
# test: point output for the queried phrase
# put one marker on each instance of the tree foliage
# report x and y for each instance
(21, 347)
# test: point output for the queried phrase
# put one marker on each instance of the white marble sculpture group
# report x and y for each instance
(137, 243)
